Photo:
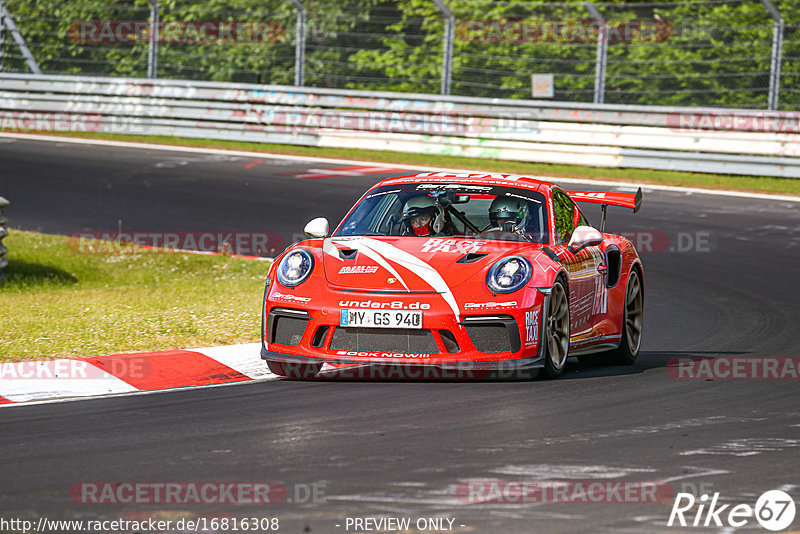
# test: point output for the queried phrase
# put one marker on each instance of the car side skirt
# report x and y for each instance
(601, 347)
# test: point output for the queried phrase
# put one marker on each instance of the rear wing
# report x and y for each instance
(608, 198)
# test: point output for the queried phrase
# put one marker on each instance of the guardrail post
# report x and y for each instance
(152, 46)
(777, 53)
(602, 54)
(2, 37)
(2, 42)
(300, 44)
(3, 232)
(8, 22)
(447, 45)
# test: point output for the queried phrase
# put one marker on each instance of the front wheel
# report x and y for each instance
(632, 315)
(297, 371)
(556, 334)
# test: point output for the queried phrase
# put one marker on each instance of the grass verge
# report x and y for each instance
(758, 184)
(58, 302)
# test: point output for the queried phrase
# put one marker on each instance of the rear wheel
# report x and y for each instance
(556, 334)
(632, 315)
(294, 370)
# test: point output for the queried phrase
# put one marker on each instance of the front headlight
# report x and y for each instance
(295, 267)
(509, 275)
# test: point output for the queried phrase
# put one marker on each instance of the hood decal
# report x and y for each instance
(329, 248)
(417, 266)
(380, 252)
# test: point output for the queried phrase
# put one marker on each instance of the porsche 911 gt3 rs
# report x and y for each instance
(485, 271)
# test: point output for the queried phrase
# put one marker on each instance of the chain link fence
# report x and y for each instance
(499, 46)
(727, 53)
(714, 53)
(790, 58)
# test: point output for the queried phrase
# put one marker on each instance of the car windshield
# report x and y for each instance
(461, 210)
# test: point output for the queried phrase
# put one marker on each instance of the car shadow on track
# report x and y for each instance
(596, 366)
(419, 373)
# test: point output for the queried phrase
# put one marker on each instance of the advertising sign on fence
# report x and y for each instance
(542, 85)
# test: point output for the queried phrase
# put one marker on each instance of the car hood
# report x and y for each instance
(410, 264)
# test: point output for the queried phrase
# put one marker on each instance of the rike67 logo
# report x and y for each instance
(774, 510)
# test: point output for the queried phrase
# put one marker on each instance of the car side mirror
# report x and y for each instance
(584, 236)
(317, 228)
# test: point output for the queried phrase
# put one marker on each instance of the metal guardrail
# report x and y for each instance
(744, 142)
(3, 233)
(691, 52)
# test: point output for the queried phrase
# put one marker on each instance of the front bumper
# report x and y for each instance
(536, 362)
(314, 341)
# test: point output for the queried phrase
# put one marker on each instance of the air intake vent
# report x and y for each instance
(348, 253)
(471, 257)
(493, 334)
(288, 330)
(319, 337)
(614, 263)
(384, 340)
(286, 327)
(449, 341)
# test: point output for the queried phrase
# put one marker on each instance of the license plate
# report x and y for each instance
(381, 318)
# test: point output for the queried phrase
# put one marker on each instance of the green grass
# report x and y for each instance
(759, 184)
(59, 302)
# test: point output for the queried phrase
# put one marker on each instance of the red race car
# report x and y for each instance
(479, 271)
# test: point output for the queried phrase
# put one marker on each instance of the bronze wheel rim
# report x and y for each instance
(558, 327)
(633, 313)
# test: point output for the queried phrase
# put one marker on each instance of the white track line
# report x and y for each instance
(555, 179)
(135, 392)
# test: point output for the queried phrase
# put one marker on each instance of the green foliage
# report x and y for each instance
(705, 53)
(717, 54)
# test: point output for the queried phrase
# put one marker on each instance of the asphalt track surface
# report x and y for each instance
(402, 448)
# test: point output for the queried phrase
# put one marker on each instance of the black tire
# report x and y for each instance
(295, 371)
(632, 315)
(556, 331)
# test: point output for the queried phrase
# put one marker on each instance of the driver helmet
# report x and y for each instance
(508, 208)
(414, 211)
